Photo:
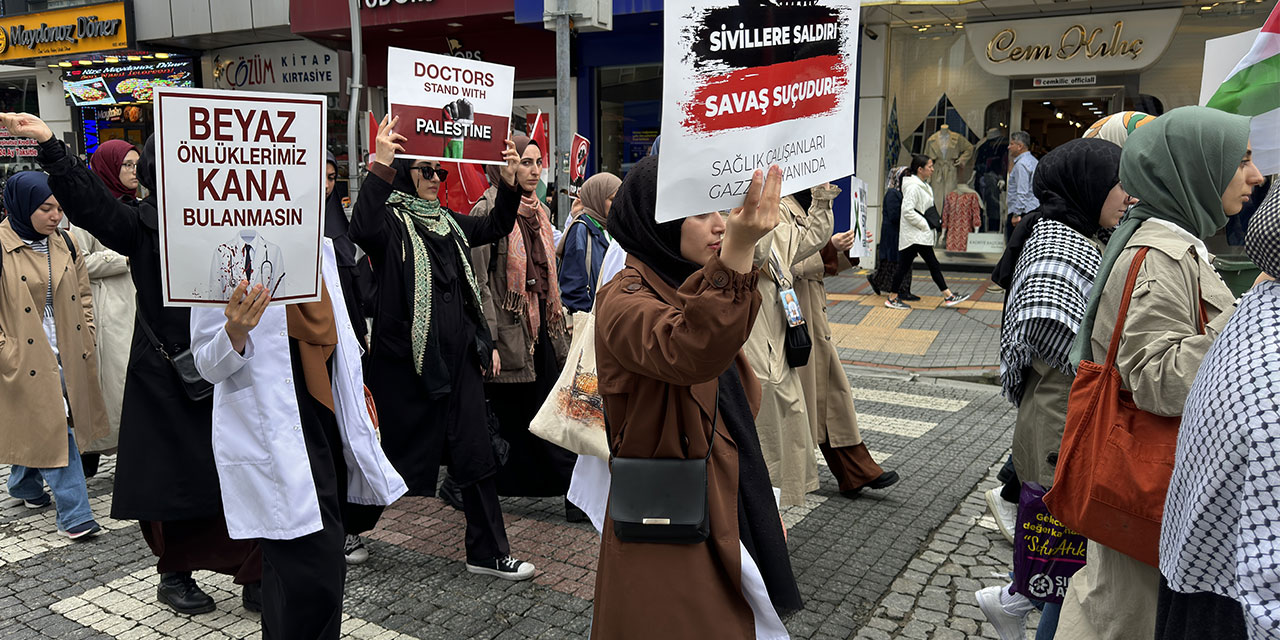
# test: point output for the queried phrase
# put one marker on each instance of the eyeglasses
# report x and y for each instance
(427, 172)
(130, 166)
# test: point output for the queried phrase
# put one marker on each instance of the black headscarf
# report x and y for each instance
(804, 197)
(403, 181)
(633, 223)
(23, 194)
(1071, 182)
(147, 165)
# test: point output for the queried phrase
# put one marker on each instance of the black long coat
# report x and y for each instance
(439, 415)
(164, 468)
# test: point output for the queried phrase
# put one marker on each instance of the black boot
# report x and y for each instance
(572, 513)
(251, 597)
(89, 461)
(180, 591)
(451, 493)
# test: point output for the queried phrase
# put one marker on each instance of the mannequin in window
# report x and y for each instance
(949, 151)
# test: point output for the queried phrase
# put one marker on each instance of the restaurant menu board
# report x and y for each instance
(134, 82)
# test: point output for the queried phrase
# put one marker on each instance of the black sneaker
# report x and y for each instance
(572, 513)
(181, 593)
(896, 304)
(954, 300)
(37, 503)
(251, 597)
(506, 567)
(886, 480)
(909, 297)
(82, 530)
(353, 548)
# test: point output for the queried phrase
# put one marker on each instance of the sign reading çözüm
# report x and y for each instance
(749, 87)
(240, 194)
(292, 67)
(95, 27)
(1065, 81)
(449, 108)
(1096, 43)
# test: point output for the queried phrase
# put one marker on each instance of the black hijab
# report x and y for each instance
(633, 223)
(403, 181)
(147, 165)
(1071, 182)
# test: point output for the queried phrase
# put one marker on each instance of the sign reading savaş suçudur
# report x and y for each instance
(746, 87)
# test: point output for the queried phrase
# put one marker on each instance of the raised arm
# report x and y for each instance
(83, 196)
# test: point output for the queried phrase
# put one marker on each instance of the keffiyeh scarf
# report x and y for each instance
(1047, 300)
(428, 216)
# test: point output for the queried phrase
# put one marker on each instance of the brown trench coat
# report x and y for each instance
(511, 335)
(659, 353)
(827, 395)
(33, 432)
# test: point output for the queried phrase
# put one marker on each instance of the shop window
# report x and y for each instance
(943, 113)
(996, 116)
(629, 115)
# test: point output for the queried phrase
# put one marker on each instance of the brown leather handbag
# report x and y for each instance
(1116, 461)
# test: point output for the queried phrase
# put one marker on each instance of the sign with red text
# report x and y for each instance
(578, 163)
(449, 108)
(240, 194)
(746, 87)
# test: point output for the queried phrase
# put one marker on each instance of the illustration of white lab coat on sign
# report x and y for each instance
(258, 446)
(246, 256)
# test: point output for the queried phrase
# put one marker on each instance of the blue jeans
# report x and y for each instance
(1048, 626)
(67, 483)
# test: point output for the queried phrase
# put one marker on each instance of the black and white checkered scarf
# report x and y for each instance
(1046, 303)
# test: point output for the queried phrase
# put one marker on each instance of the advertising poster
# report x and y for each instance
(119, 84)
(858, 219)
(449, 108)
(578, 163)
(746, 87)
(240, 194)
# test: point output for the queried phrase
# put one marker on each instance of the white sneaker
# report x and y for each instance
(354, 549)
(1005, 513)
(1007, 612)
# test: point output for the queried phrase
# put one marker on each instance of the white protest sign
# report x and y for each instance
(240, 194)
(449, 108)
(746, 87)
(858, 219)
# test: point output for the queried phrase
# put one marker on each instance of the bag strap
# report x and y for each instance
(715, 416)
(1130, 281)
(775, 265)
(151, 337)
(71, 246)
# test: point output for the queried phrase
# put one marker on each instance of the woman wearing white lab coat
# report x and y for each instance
(264, 423)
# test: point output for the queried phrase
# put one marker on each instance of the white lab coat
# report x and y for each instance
(917, 197)
(258, 448)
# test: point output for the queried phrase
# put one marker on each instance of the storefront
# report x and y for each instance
(1051, 76)
(111, 96)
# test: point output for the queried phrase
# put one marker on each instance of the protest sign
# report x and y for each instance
(578, 163)
(858, 219)
(746, 87)
(240, 194)
(449, 108)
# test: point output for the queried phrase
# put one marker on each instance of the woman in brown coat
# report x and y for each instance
(49, 390)
(669, 336)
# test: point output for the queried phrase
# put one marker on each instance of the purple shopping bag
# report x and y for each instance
(1045, 552)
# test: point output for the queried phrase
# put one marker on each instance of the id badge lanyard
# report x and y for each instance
(790, 302)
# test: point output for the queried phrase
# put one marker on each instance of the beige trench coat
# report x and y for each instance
(828, 397)
(1114, 596)
(114, 301)
(783, 422)
(33, 432)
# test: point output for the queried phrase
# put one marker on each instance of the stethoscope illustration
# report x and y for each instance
(266, 269)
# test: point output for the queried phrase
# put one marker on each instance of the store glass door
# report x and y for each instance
(1056, 116)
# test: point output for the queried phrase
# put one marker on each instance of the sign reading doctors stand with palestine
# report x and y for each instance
(64, 32)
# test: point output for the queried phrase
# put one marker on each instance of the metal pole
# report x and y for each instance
(564, 136)
(353, 107)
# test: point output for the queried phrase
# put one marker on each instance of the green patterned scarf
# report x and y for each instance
(428, 216)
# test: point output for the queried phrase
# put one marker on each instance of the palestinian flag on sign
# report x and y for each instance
(1253, 89)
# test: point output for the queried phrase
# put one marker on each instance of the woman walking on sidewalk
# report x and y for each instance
(915, 236)
(49, 396)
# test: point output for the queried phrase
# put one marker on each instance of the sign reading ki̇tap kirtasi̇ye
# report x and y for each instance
(97, 27)
(240, 194)
(749, 87)
(449, 108)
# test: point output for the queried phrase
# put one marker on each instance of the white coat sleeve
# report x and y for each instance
(216, 360)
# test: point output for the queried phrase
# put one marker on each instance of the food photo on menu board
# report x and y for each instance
(126, 83)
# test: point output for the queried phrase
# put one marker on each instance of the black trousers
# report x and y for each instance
(303, 579)
(907, 256)
(486, 533)
(1198, 616)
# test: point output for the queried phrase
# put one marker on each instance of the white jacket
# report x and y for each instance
(917, 197)
(267, 488)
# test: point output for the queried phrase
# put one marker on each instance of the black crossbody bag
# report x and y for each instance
(661, 500)
(797, 344)
(183, 363)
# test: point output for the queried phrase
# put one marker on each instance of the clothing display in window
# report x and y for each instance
(961, 214)
(949, 151)
(245, 256)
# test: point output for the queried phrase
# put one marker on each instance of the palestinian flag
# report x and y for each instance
(1253, 89)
